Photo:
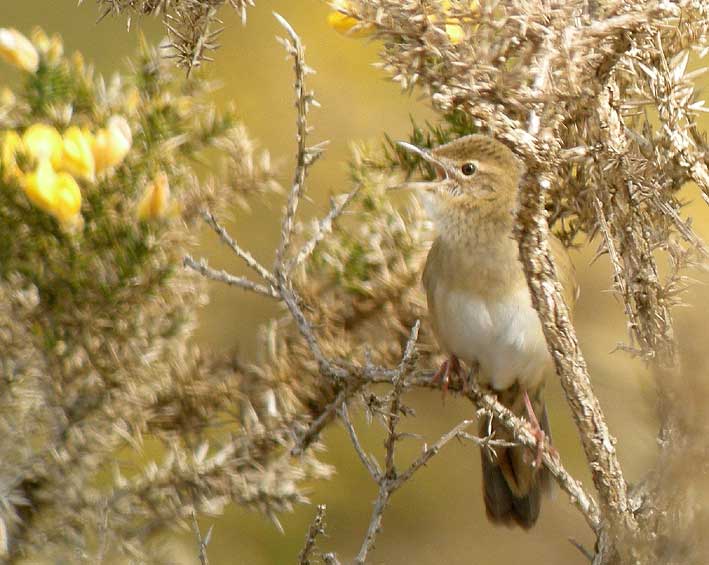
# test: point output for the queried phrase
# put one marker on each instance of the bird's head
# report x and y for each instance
(475, 170)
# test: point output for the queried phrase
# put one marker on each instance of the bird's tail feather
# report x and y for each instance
(512, 488)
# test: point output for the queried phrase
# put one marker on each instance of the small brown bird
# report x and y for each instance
(481, 309)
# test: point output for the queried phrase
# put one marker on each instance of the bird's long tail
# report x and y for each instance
(512, 487)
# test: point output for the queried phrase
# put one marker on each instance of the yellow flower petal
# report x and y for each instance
(57, 194)
(156, 199)
(345, 24)
(43, 142)
(112, 144)
(455, 33)
(341, 22)
(17, 50)
(77, 156)
(67, 199)
(11, 145)
(446, 5)
(39, 186)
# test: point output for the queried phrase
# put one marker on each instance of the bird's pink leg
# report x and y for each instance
(537, 430)
(450, 365)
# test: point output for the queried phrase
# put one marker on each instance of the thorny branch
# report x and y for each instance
(193, 26)
(389, 479)
(238, 250)
(202, 542)
(370, 464)
(614, 260)
(532, 233)
(571, 368)
(305, 155)
(203, 268)
(523, 434)
(317, 527)
(325, 226)
(312, 433)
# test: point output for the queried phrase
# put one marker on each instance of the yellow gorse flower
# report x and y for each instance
(43, 142)
(57, 194)
(77, 155)
(155, 202)
(345, 24)
(58, 160)
(17, 50)
(112, 143)
(454, 30)
(455, 33)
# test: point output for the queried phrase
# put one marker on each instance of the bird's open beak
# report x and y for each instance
(426, 155)
(423, 153)
(427, 186)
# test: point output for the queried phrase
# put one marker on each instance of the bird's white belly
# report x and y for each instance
(505, 337)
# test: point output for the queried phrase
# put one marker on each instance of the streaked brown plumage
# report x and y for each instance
(480, 306)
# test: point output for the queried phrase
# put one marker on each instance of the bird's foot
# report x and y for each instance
(443, 375)
(539, 434)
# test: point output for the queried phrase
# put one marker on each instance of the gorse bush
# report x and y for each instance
(100, 186)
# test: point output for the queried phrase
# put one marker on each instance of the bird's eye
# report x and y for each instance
(468, 169)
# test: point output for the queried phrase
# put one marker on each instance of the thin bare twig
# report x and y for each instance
(325, 365)
(487, 441)
(406, 365)
(585, 552)
(205, 270)
(429, 452)
(317, 527)
(391, 481)
(375, 522)
(388, 477)
(237, 249)
(202, 542)
(616, 264)
(521, 432)
(682, 226)
(369, 462)
(317, 425)
(305, 155)
(324, 227)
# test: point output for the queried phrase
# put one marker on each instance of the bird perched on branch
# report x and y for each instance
(481, 309)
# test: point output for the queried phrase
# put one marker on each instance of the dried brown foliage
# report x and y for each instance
(193, 26)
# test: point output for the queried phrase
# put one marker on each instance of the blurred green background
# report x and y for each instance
(439, 516)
